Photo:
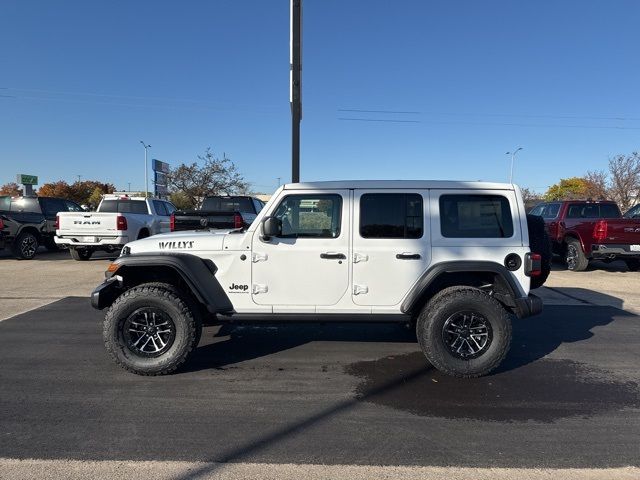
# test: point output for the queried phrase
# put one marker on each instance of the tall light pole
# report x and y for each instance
(295, 85)
(513, 155)
(146, 169)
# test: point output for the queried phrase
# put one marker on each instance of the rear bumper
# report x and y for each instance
(78, 241)
(528, 306)
(614, 250)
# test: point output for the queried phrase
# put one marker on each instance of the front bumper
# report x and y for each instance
(614, 250)
(528, 306)
(105, 293)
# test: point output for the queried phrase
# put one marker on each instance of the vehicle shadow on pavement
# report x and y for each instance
(238, 343)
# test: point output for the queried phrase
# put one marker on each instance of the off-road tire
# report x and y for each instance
(166, 299)
(577, 261)
(189, 300)
(81, 254)
(633, 264)
(25, 246)
(443, 306)
(540, 243)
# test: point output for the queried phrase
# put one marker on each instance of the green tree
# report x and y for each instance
(210, 176)
(574, 188)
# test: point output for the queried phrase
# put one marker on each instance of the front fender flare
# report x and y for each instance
(197, 273)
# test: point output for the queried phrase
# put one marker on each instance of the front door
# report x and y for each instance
(391, 246)
(308, 264)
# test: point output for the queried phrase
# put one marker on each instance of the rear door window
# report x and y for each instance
(475, 216)
(391, 215)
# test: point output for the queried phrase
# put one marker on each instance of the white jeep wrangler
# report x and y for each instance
(451, 258)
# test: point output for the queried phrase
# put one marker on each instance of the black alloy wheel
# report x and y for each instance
(149, 332)
(467, 334)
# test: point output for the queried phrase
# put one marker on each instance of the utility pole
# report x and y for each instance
(295, 84)
(146, 169)
(129, 183)
(279, 181)
(79, 178)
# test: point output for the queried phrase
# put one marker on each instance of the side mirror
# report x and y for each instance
(271, 227)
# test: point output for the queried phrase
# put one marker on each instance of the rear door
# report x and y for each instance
(391, 247)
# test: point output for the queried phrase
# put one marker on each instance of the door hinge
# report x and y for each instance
(259, 288)
(360, 289)
(259, 257)
(359, 257)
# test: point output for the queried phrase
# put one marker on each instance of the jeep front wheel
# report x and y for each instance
(464, 332)
(151, 329)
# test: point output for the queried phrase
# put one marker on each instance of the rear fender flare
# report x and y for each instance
(416, 294)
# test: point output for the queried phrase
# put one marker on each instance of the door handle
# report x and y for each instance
(408, 256)
(333, 256)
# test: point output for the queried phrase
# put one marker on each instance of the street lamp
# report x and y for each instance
(146, 170)
(513, 154)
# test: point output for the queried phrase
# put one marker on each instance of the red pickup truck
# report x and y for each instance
(583, 230)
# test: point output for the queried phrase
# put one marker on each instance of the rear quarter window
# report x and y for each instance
(475, 216)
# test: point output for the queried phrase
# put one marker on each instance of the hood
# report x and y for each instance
(184, 242)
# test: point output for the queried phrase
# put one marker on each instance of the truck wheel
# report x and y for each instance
(81, 253)
(633, 264)
(464, 332)
(25, 246)
(576, 259)
(540, 243)
(151, 330)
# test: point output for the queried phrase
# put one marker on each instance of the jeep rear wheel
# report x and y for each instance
(539, 243)
(464, 332)
(151, 329)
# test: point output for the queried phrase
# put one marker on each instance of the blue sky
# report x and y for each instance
(82, 82)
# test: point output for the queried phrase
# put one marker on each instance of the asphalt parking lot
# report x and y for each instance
(318, 400)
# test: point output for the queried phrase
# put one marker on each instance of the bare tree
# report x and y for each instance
(624, 171)
(214, 177)
(596, 185)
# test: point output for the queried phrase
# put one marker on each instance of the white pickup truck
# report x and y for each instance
(119, 219)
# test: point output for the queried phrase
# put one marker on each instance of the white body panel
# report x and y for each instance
(287, 275)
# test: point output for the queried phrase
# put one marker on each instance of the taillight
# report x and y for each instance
(2, 224)
(121, 223)
(600, 231)
(172, 222)
(237, 220)
(57, 222)
(533, 264)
